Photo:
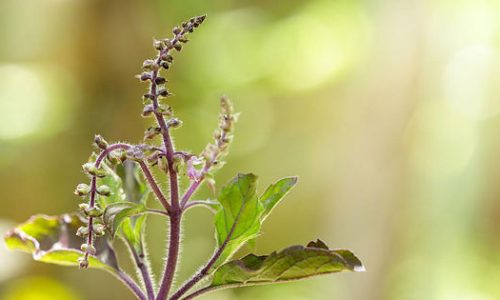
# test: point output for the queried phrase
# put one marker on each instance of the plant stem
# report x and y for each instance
(146, 276)
(206, 269)
(176, 211)
(154, 186)
(200, 292)
(158, 212)
(206, 203)
(173, 253)
(130, 284)
(93, 188)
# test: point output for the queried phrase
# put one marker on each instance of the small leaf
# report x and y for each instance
(136, 190)
(275, 192)
(114, 182)
(132, 232)
(116, 213)
(69, 257)
(129, 216)
(293, 263)
(238, 215)
(52, 239)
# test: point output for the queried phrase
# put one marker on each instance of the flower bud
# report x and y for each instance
(183, 40)
(100, 142)
(160, 80)
(177, 30)
(153, 158)
(158, 45)
(163, 163)
(145, 76)
(94, 212)
(90, 169)
(136, 152)
(174, 123)
(99, 229)
(165, 110)
(87, 248)
(148, 110)
(165, 65)
(100, 173)
(163, 92)
(192, 172)
(112, 160)
(83, 231)
(168, 43)
(104, 190)
(83, 263)
(151, 132)
(148, 64)
(149, 96)
(199, 20)
(178, 161)
(82, 189)
(117, 155)
(178, 46)
(167, 57)
(83, 207)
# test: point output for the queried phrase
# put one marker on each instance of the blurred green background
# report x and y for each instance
(389, 111)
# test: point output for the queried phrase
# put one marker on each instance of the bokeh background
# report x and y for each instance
(388, 110)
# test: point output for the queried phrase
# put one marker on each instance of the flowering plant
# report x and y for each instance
(115, 206)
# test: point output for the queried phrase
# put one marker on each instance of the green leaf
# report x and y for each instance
(127, 182)
(275, 192)
(135, 187)
(115, 184)
(293, 263)
(239, 214)
(132, 232)
(129, 216)
(116, 213)
(52, 239)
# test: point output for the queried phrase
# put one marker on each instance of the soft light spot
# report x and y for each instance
(12, 262)
(316, 45)
(34, 100)
(470, 81)
(23, 102)
(444, 141)
(38, 288)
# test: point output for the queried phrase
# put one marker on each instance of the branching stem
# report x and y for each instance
(143, 269)
(206, 269)
(131, 284)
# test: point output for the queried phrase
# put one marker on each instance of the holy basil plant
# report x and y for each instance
(115, 206)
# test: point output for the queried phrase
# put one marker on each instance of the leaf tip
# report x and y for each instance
(359, 268)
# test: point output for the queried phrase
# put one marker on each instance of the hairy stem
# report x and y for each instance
(195, 184)
(173, 253)
(143, 269)
(93, 189)
(206, 269)
(176, 213)
(131, 284)
(158, 212)
(154, 186)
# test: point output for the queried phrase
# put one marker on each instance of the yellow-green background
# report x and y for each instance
(389, 111)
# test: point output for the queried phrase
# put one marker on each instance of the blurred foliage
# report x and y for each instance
(388, 111)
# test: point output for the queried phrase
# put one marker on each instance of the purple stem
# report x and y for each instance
(173, 254)
(93, 187)
(206, 269)
(154, 185)
(131, 284)
(176, 212)
(144, 272)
